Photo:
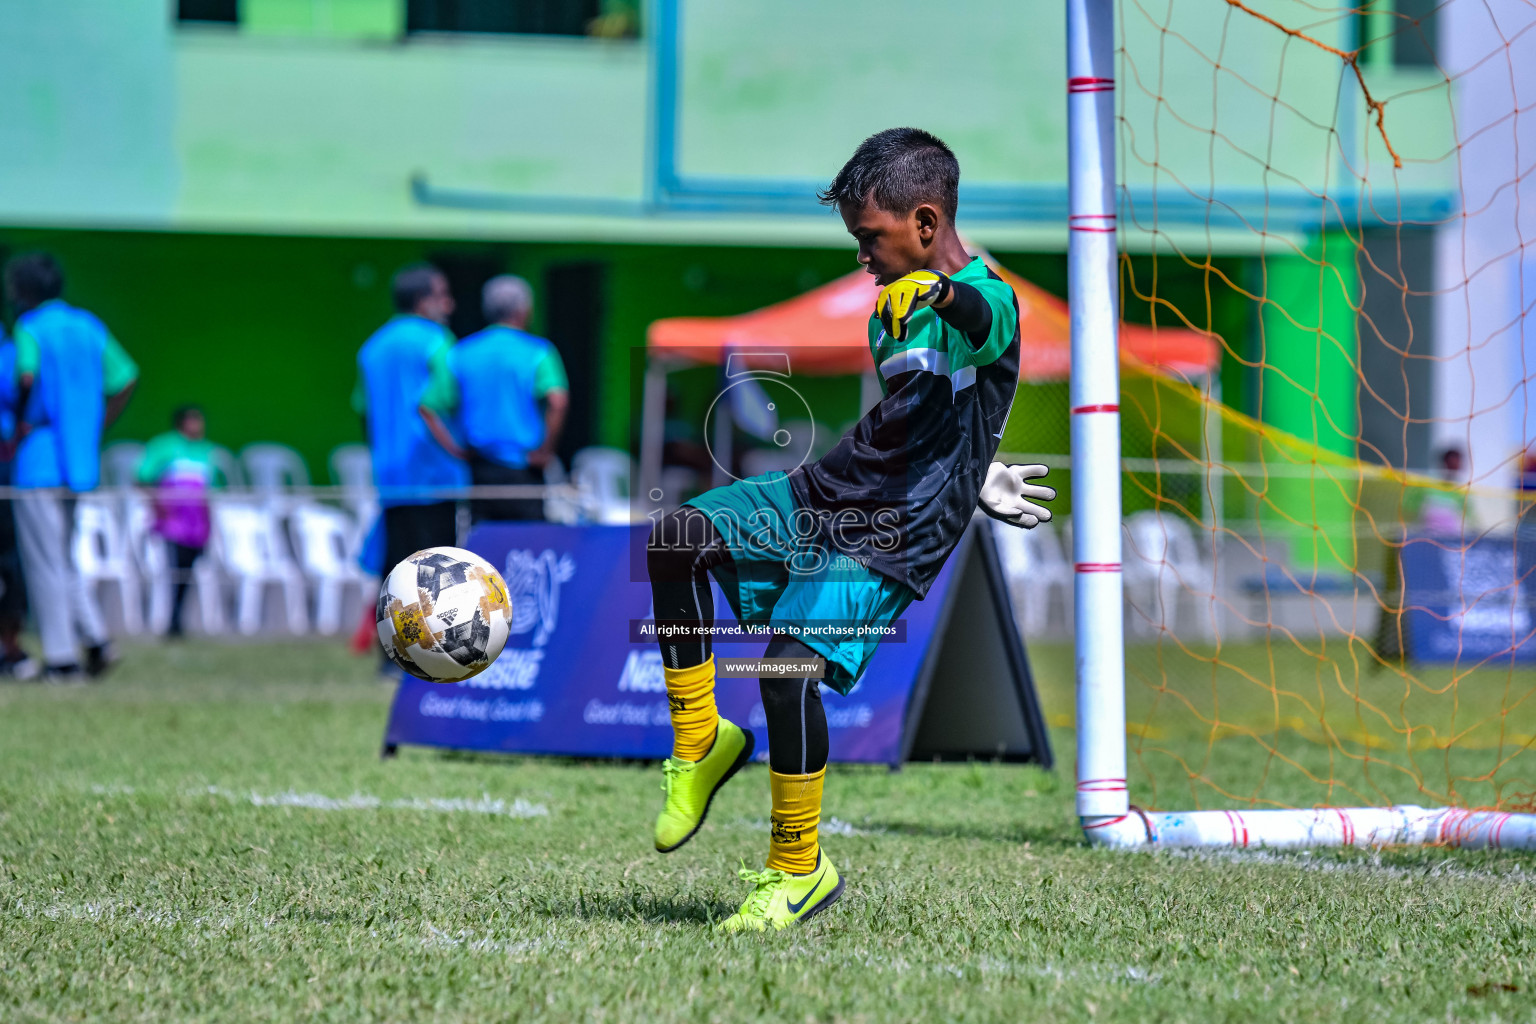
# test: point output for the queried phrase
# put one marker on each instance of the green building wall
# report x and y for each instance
(1307, 350)
(263, 331)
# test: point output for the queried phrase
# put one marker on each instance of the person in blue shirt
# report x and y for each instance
(73, 379)
(415, 477)
(13, 588)
(507, 391)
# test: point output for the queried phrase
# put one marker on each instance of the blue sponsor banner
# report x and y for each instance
(1469, 601)
(573, 682)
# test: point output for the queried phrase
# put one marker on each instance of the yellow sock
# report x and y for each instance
(796, 813)
(691, 695)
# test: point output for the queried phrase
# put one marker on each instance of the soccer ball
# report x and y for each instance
(444, 614)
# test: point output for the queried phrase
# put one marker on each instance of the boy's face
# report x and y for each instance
(891, 245)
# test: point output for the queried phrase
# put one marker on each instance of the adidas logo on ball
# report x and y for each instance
(443, 614)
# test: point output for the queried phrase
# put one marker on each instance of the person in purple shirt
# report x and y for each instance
(180, 466)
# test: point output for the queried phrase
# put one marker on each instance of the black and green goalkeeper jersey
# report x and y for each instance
(897, 491)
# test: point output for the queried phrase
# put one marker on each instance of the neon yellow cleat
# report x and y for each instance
(779, 900)
(691, 785)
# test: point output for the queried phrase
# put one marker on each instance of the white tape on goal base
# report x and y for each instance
(1324, 826)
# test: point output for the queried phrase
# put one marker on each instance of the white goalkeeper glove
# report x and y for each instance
(1006, 495)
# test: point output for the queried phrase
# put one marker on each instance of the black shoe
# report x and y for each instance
(63, 675)
(98, 659)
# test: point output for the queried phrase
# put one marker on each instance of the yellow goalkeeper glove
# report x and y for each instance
(902, 298)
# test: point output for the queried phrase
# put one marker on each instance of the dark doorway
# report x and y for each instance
(1396, 329)
(1416, 38)
(573, 319)
(540, 17)
(227, 11)
(467, 273)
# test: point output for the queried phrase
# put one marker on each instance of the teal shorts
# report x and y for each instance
(784, 575)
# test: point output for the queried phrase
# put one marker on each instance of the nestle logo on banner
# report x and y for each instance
(642, 673)
(533, 584)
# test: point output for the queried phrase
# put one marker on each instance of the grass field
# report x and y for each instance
(211, 835)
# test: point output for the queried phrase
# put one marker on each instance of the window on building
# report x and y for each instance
(536, 17)
(1396, 339)
(227, 11)
(1416, 38)
(1398, 33)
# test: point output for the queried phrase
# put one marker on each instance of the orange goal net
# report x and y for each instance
(1326, 545)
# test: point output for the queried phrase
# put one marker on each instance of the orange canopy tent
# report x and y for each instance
(824, 333)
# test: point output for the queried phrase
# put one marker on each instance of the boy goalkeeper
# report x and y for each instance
(851, 539)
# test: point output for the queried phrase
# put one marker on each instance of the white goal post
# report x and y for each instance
(1103, 803)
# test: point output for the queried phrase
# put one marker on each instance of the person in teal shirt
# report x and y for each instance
(180, 465)
(506, 390)
(415, 477)
(73, 379)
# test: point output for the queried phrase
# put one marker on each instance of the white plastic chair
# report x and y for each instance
(152, 558)
(252, 552)
(558, 508)
(226, 463)
(603, 475)
(1037, 572)
(352, 467)
(102, 555)
(273, 467)
(120, 463)
(1162, 561)
(324, 539)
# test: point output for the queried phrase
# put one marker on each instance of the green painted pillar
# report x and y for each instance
(1309, 388)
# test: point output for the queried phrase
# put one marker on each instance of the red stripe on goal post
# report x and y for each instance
(1101, 785)
(1102, 223)
(1349, 826)
(1096, 567)
(1089, 84)
(1103, 407)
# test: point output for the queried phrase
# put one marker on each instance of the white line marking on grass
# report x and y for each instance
(465, 939)
(313, 801)
(98, 911)
(518, 808)
(111, 789)
(114, 910)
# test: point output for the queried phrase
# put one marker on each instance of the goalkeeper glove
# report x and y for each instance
(904, 297)
(1007, 491)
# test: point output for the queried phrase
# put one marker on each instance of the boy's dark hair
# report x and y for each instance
(34, 277)
(184, 413)
(412, 284)
(899, 168)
